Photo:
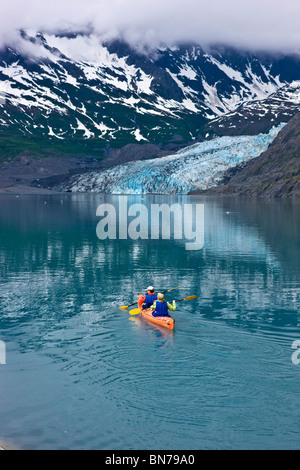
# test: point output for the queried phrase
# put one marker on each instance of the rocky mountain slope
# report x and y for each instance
(255, 117)
(72, 94)
(275, 173)
(71, 104)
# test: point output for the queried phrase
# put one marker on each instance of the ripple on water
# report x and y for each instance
(82, 373)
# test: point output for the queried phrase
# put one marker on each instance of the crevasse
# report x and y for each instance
(200, 166)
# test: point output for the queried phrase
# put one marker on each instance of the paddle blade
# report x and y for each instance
(125, 307)
(187, 298)
(172, 289)
(135, 311)
(191, 297)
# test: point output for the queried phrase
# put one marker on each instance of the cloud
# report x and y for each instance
(255, 24)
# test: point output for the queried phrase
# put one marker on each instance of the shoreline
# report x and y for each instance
(27, 190)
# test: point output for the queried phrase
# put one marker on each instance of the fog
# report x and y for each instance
(255, 24)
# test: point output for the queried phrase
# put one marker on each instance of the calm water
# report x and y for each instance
(81, 373)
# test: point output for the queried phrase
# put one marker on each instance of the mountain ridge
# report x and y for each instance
(98, 105)
(77, 95)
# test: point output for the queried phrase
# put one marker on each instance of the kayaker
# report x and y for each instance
(145, 301)
(161, 307)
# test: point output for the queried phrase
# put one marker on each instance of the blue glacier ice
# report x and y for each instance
(200, 166)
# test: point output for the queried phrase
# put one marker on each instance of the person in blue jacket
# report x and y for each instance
(146, 301)
(161, 307)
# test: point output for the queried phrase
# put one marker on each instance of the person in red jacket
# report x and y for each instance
(145, 301)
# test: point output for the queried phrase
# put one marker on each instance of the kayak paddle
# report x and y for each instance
(136, 311)
(187, 298)
(125, 307)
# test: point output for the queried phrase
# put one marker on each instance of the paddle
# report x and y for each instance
(125, 307)
(136, 311)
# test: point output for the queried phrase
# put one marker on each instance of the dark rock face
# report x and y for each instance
(275, 173)
(28, 171)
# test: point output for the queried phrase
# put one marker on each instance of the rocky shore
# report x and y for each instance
(28, 174)
(275, 173)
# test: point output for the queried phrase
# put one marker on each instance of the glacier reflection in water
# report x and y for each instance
(200, 166)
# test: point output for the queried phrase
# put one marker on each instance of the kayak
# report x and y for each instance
(168, 322)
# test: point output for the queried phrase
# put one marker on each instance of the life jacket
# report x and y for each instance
(149, 300)
(141, 299)
(161, 309)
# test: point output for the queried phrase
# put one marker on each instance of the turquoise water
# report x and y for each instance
(82, 374)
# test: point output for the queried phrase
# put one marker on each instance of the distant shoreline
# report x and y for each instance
(28, 190)
(213, 193)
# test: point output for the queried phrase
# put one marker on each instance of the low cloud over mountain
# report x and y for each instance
(255, 24)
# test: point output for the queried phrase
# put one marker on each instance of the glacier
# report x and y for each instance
(199, 166)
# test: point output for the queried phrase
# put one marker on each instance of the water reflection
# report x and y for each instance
(81, 373)
(53, 264)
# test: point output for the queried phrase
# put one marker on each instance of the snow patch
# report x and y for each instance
(87, 134)
(188, 72)
(138, 135)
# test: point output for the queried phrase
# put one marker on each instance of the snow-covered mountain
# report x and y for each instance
(75, 94)
(256, 117)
